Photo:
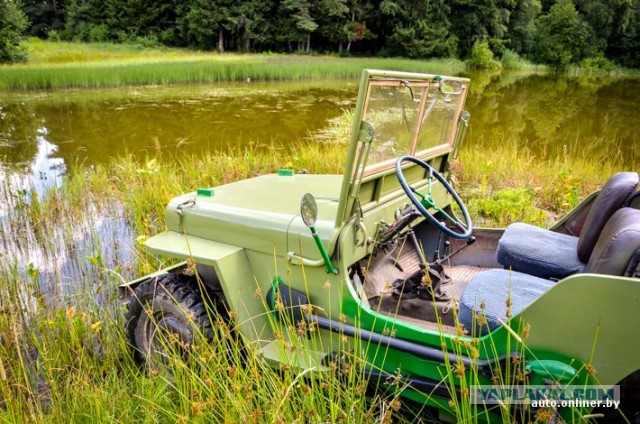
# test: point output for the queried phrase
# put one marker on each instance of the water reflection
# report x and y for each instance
(45, 167)
(546, 113)
(89, 248)
(557, 115)
(95, 125)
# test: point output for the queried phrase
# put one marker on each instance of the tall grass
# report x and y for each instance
(63, 351)
(64, 355)
(504, 182)
(72, 364)
(115, 67)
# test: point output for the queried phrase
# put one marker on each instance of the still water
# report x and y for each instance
(93, 126)
(42, 134)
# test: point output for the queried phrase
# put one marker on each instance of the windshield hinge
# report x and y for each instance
(359, 229)
(366, 132)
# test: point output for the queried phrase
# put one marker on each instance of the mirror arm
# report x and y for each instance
(325, 256)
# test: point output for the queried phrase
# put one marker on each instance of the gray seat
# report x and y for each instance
(536, 251)
(548, 254)
(488, 291)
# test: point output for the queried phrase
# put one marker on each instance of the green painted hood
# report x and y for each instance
(261, 213)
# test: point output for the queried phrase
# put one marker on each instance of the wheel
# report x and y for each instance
(164, 317)
(426, 202)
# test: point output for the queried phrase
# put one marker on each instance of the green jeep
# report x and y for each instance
(383, 261)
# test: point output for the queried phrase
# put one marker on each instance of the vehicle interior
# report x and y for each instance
(429, 263)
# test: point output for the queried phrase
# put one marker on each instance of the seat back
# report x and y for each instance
(617, 244)
(609, 200)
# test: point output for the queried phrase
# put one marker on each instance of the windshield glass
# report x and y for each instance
(411, 117)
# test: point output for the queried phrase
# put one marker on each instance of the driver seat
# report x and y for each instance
(615, 253)
(549, 254)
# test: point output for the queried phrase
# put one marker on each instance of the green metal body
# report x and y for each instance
(251, 233)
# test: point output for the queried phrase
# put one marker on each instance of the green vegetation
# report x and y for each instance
(482, 57)
(65, 65)
(64, 356)
(13, 23)
(560, 33)
(563, 37)
(47, 52)
(509, 183)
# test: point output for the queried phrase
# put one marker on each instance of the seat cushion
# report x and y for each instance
(492, 289)
(539, 252)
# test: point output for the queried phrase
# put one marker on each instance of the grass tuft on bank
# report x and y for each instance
(72, 65)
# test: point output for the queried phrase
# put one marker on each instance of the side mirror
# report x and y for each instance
(309, 214)
(450, 87)
(309, 210)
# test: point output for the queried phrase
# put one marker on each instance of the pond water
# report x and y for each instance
(41, 134)
(554, 114)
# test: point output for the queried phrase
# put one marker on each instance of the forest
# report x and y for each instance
(560, 33)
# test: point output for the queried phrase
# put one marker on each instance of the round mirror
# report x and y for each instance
(450, 87)
(308, 209)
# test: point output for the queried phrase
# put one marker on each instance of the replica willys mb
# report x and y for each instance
(383, 261)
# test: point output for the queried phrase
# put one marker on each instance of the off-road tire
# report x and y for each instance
(172, 303)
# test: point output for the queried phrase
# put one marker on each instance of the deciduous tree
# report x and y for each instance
(13, 24)
(303, 22)
(563, 38)
(522, 29)
(44, 16)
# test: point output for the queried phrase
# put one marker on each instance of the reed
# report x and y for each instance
(98, 66)
(63, 351)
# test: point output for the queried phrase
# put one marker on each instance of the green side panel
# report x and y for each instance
(258, 213)
(587, 310)
(239, 284)
(554, 370)
(299, 357)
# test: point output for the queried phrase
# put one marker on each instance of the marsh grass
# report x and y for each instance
(63, 352)
(506, 182)
(71, 65)
(43, 52)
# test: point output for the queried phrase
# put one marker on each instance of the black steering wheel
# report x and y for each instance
(426, 202)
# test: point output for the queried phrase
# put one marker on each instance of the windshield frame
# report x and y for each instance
(363, 133)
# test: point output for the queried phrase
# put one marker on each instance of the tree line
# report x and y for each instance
(556, 32)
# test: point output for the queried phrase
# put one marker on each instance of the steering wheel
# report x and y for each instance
(426, 202)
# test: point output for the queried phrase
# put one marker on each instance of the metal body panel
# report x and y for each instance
(590, 318)
(183, 246)
(258, 213)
